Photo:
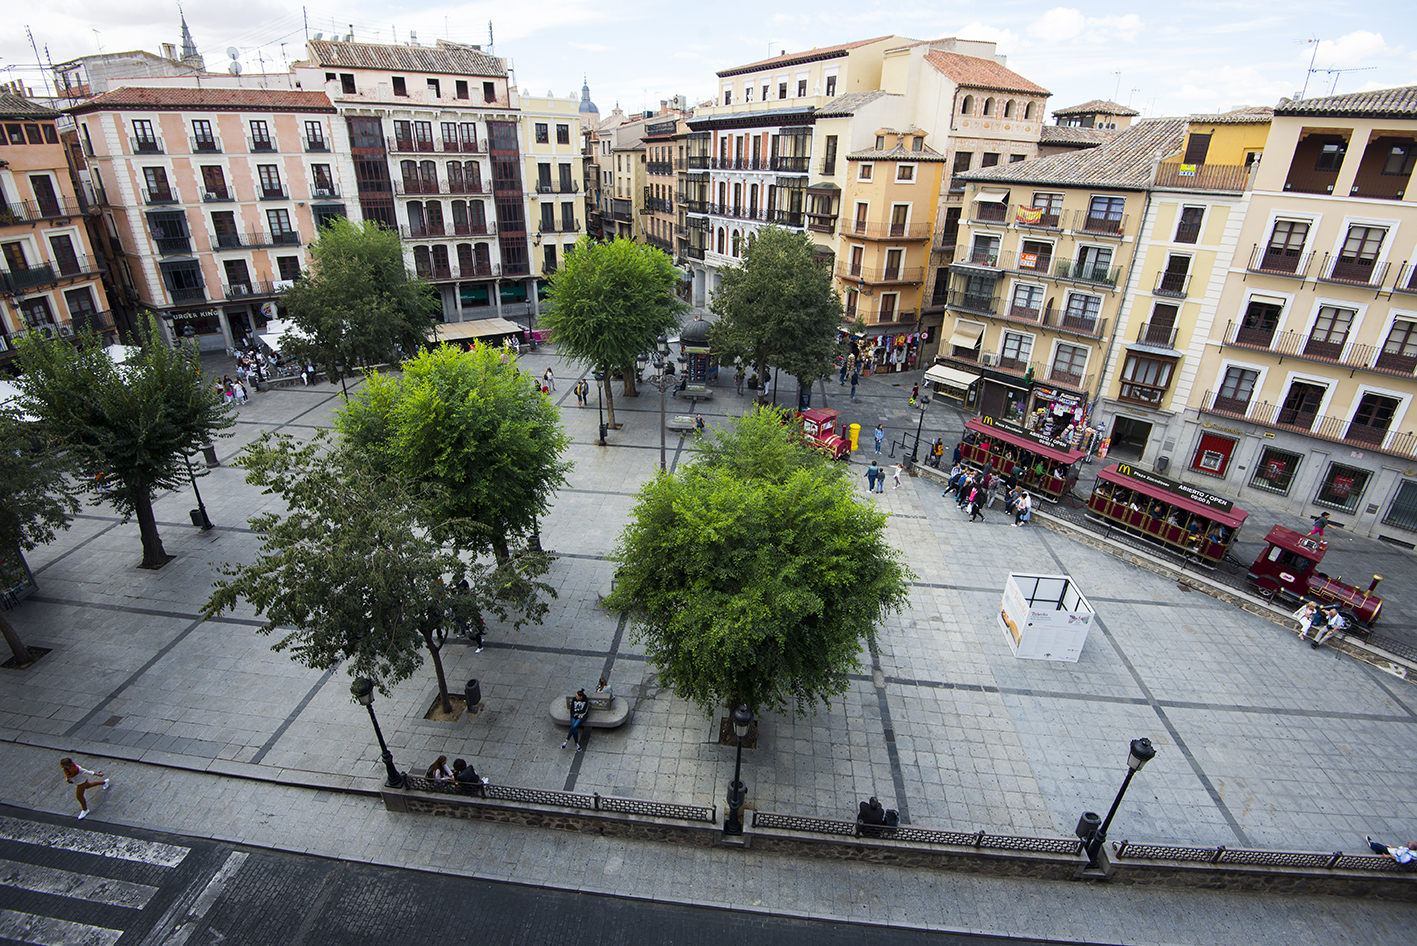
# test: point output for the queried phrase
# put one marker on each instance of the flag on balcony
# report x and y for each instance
(1030, 214)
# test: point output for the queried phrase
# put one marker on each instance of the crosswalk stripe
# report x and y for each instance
(65, 883)
(91, 842)
(46, 931)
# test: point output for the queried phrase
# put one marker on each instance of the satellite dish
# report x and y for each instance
(233, 53)
(234, 68)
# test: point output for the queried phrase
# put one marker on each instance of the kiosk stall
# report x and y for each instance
(1044, 464)
(1178, 517)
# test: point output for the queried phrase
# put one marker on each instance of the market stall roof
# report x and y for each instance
(477, 328)
(950, 377)
(1232, 519)
(1068, 457)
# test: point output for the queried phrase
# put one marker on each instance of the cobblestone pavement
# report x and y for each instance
(1261, 741)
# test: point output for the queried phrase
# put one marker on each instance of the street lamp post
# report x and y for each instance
(1141, 752)
(922, 402)
(363, 691)
(200, 519)
(599, 404)
(663, 379)
(737, 791)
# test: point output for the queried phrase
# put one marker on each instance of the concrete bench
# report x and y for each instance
(682, 423)
(607, 711)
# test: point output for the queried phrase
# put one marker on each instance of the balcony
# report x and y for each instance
(1047, 219)
(1157, 334)
(1174, 285)
(694, 252)
(565, 187)
(973, 302)
(1269, 261)
(696, 206)
(26, 211)
(1332, 429)
(316, 144)
(206, 145)
(1067, 379)
(274, 193)
(1034, 314)
(792, 165)
(698, 162)
(161, 195)
(22, 279)
(217, 195)
(1292, 344)
(1089, 274)
(659, 205)
(412, 188)
(424, 231)
(286, 238)
(147, 145)
(1108, 225)
(905, 232)
(249, 288)
(467, 229)
(991, 211)
(1089, 325)
(660, 168)
(821, 223)
(263, 144)
(323, 191)
(410, 145)
(451, 272)
(1028, 263)
(883, 316)
(166, 246)
(1373, 179)
(661, 244)
(900, 274)
(457, 188)
(788, 218)
(1206, 177)
(253, 238)
(1406, 278)
(1353, 272)
(193, 294)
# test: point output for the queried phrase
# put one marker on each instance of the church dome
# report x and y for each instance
(587, 106)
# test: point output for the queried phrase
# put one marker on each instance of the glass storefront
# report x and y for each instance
(1275, 470)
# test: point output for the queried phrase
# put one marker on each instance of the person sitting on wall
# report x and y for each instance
(871, 812)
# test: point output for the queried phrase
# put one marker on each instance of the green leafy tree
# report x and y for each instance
(478, 428)
(778, 307)
(755, 575)
(131, 426)
(357, 305)
(38, 497)
(609, 302)
(349, 572)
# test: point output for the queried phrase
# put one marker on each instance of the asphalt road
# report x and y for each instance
(71, 883)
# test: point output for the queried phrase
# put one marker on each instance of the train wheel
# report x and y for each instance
(1267, 588)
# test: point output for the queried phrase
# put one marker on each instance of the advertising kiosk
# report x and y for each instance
(1045, 617)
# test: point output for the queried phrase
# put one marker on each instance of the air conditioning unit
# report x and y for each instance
(240, 290)
(66, 330)
(989, 359)
(209, 196)
(283, 284)
(46, 330)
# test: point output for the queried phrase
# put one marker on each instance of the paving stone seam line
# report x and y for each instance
(161, 523)
(65, 554)
(1377, 677)
(293, 715)
(150, 612)
(892, 751)
(1160, 712)
(134, 677)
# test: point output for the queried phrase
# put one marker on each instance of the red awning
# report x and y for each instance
(1232, 519)
(1065, 457)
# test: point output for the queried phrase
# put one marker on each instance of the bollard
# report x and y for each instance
(209, 452)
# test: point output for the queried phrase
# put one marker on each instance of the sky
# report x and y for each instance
(1172, 59)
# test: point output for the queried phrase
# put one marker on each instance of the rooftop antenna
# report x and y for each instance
(1337, 72)
(97, 42)
(1129, 96)
(306, 17)
(1117, 91)
(1315, 40)
(489, 36)
(38, 60)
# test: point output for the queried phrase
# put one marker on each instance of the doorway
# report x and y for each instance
(1129, 437)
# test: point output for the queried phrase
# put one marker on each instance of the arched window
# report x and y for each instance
(464, 259)
(1009, 109)
(434, 212)
(422, 262)
(472, 173)
(408, 170)
(455, 178)
(477, 216)
(720, 239)
(441, 269)
(460, 217)
(737, 242)
(989, 105)
(428, 173)
(1028, 110)
(967, 106)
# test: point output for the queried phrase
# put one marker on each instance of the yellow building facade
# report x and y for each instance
(555, 177)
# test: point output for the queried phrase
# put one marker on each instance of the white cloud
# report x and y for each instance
(1059, 24)
(1222, 87)
(591, 47)
(1354, 49)
(986, 32)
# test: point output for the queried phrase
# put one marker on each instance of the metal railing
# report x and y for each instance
(659, 168)
(1406, 280)
(1093, 275)
(1332, 429)
(274, 193)
(1291, 343)
(973, 301)
(564, 187)
(410, 145)
(663, 205)
(821, 223)
(900, 274)
(266, 144)
(880, 316)
(887, 231)
(412, 188)
(223, 194)
(163, 196)
(980, 839)
(1272, 262)
(1067, 379)
(169, 245)
(592, 802)
(1353, 272)
(1172, 284)
(473, 271)
(1161, 335)
(24, 211)
(193, 294)
(323, 191)
(316, 144)
(1223, 855)
(252, 238)
(1107, 225)
(992, 211)
(205, 145)
(251, 287)
(147, 145)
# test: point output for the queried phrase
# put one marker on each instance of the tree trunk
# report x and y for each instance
(435, 651)
(154, 555)
(500, 549)
(17, 646)
(609, 401)
(629, 378)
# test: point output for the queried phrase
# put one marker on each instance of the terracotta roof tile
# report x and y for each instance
(450, 58)
(17, 106)
(1249, 115)
(791, 59)
(1097, 107)
(899, 153)
(221, 100)
(847, 104)
(1124, 162)
(981, 73)
(1074, 136)
(1387, 103)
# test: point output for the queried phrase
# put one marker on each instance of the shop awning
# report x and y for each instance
(1232, 519)
(950, 377)
(1067, 457)
(992, 195)
(477, 328)
(966, 335)
(276, 330)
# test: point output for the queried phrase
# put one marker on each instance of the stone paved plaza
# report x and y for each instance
(1261, 741)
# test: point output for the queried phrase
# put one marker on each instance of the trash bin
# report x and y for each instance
(855, 434)
(473, 694)
(196, 515)
(1087, 824)
(209, 452)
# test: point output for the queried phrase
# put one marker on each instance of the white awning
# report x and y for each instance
(948, 377)
(993, 195)
(966, 335)
(476, 328)
(276, 330)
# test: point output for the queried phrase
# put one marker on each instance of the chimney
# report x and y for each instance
(169, 51)
(1376, 579)
(413, 37)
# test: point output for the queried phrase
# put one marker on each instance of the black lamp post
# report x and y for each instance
(663, 379)
(363, 691)
(599, 409)
(737, 791)
(922, 402)
(200, 519)
(1140, 754)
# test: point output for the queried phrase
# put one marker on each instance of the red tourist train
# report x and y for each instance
(821, 429)
(1288, 568)
(1043, 464)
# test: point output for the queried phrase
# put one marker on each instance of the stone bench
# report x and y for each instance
(680, 423)
(607, 711)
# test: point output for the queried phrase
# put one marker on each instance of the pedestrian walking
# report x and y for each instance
(855, 377)
(880, 436)
(1405, 854)
(767, 387)
(842, 377)
(937, 453)
(548, 377)
(82, 779)
(1320, 523)
(976, 503)
(738, 378)
(914, 394)
(895, 474)
(580, 709)
(872, 473)
(1306, 615)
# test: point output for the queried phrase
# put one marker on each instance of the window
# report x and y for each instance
(423, 135)
(270, 181)
(962, 161)
(238, 278)
(183, 280)
(315, 137)
(966, 105)
(158, 190)
(1161, 329)
(1035, 254)
(727, 96)
(261, 137)
(831, 86)
(144, 138)
(917, 144)
(1403, 511)
(1400, 160)
(550, 263)
(1027, 302)
(568, 217)
(1016, 158)
(1105, 214)
(36, 311)
(202, 137)
(1301, 405)
(1051, 208)
(1069, 362)
(460, 88)
(541, 136)
(1330, 332)
(989, 105)
(1275, 470)
(829, 161)
(1009, 109)
(1094, 264)
(45, 195)
(1399, 352)
(434, 89)
(16, 134)
(1372, 419)
(1197, 145)
(1028, 111)
(489, 92)
(904, 173)
(324, 181)
(880, 142)
(563, 134)
(1286, 245)
(1082, 312)
(80, 303)
(1331, 155)
(346, 81)
(288, 266)
(1188, 227)
(864, 173)
(169, 232)
(782, 89)
(281, 231)
(15, 257)
(224, 226)
(1342, 488)
(801, 87)
(990, 159)
(62, 252)
(1017, 349)
(400, 86)
(1145, 379)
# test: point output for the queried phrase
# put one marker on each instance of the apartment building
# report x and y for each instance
(212, 194)
(1189, 234)
(601, 136)
(663, 215)
(1305, 390)
(1037, 278)
(628, 179)
(51, 280)
(1084, 126)
(435, 133)
(551, 128)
